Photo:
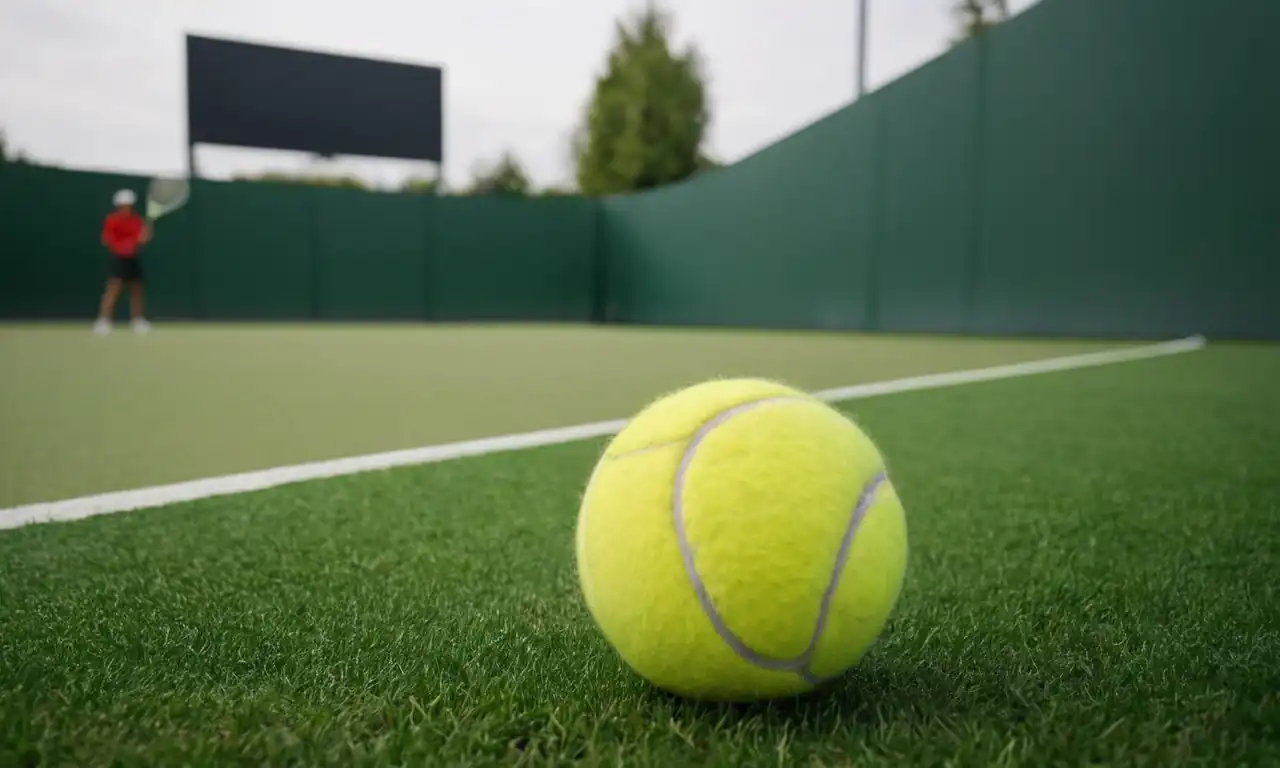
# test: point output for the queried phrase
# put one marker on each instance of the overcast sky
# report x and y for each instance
(99, 83)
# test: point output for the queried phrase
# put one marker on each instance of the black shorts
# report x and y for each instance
(127, 269)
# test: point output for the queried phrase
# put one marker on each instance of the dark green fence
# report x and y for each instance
(1091, 167)
(50, 223)
(284, 252)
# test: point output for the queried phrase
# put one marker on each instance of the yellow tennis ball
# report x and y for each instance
(740, 540)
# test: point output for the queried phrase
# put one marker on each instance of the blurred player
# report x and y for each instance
(123, 233)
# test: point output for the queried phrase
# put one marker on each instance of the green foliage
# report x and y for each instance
(973, 17)
(708, 163)
(419, 186)
(647, 117)
(557, 191)
(280, 177)
(504, 177)
(7, 154)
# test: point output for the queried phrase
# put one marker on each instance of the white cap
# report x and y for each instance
(124, 197)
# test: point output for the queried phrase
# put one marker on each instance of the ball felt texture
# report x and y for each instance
(740, 540)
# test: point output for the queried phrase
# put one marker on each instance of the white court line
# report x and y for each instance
(161, 495)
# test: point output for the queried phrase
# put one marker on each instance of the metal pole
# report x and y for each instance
(862, 48)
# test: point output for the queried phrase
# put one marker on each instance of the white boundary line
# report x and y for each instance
(161, 495)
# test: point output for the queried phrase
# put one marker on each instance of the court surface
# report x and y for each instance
(86, 414)
(1091, 578)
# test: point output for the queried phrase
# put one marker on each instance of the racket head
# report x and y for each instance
(165, 195)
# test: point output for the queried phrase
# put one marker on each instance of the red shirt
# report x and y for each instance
(122, 233)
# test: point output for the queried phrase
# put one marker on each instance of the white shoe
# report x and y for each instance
(141, 325)
(102, 327)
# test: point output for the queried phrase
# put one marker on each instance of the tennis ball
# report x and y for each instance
(740, 540)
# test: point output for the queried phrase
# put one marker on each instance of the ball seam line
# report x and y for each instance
(644, 449)
(799, 664)
(865, 498)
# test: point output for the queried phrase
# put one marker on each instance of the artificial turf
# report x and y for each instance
(81, 414)
(1092, 581)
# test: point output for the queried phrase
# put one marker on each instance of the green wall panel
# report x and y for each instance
(170, 267)
(1224, 227)
(1124, 167)
(54, 261)
(51, 224)
(499, 258)
(1078, 154)
(256, 250)
(781, 239)
(371, 255)
(925, 243)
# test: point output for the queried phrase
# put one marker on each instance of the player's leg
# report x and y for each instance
(107, 307)
(137, 296)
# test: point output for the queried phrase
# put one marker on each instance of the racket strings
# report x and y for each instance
(164, 195)
(167, 191)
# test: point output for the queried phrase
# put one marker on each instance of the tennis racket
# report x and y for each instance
(165, 196)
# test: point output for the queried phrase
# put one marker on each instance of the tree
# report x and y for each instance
(708, 163)
(973, 17)
(419, 186)
(8, 156)
(280, 177)
(647, 116)
(505, 177)
(556, 190)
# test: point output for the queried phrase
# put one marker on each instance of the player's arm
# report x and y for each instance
(107, 238)
(144, 237)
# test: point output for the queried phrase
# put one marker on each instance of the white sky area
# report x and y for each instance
(99, 84)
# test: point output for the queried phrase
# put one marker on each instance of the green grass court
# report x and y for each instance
(1091, 579)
